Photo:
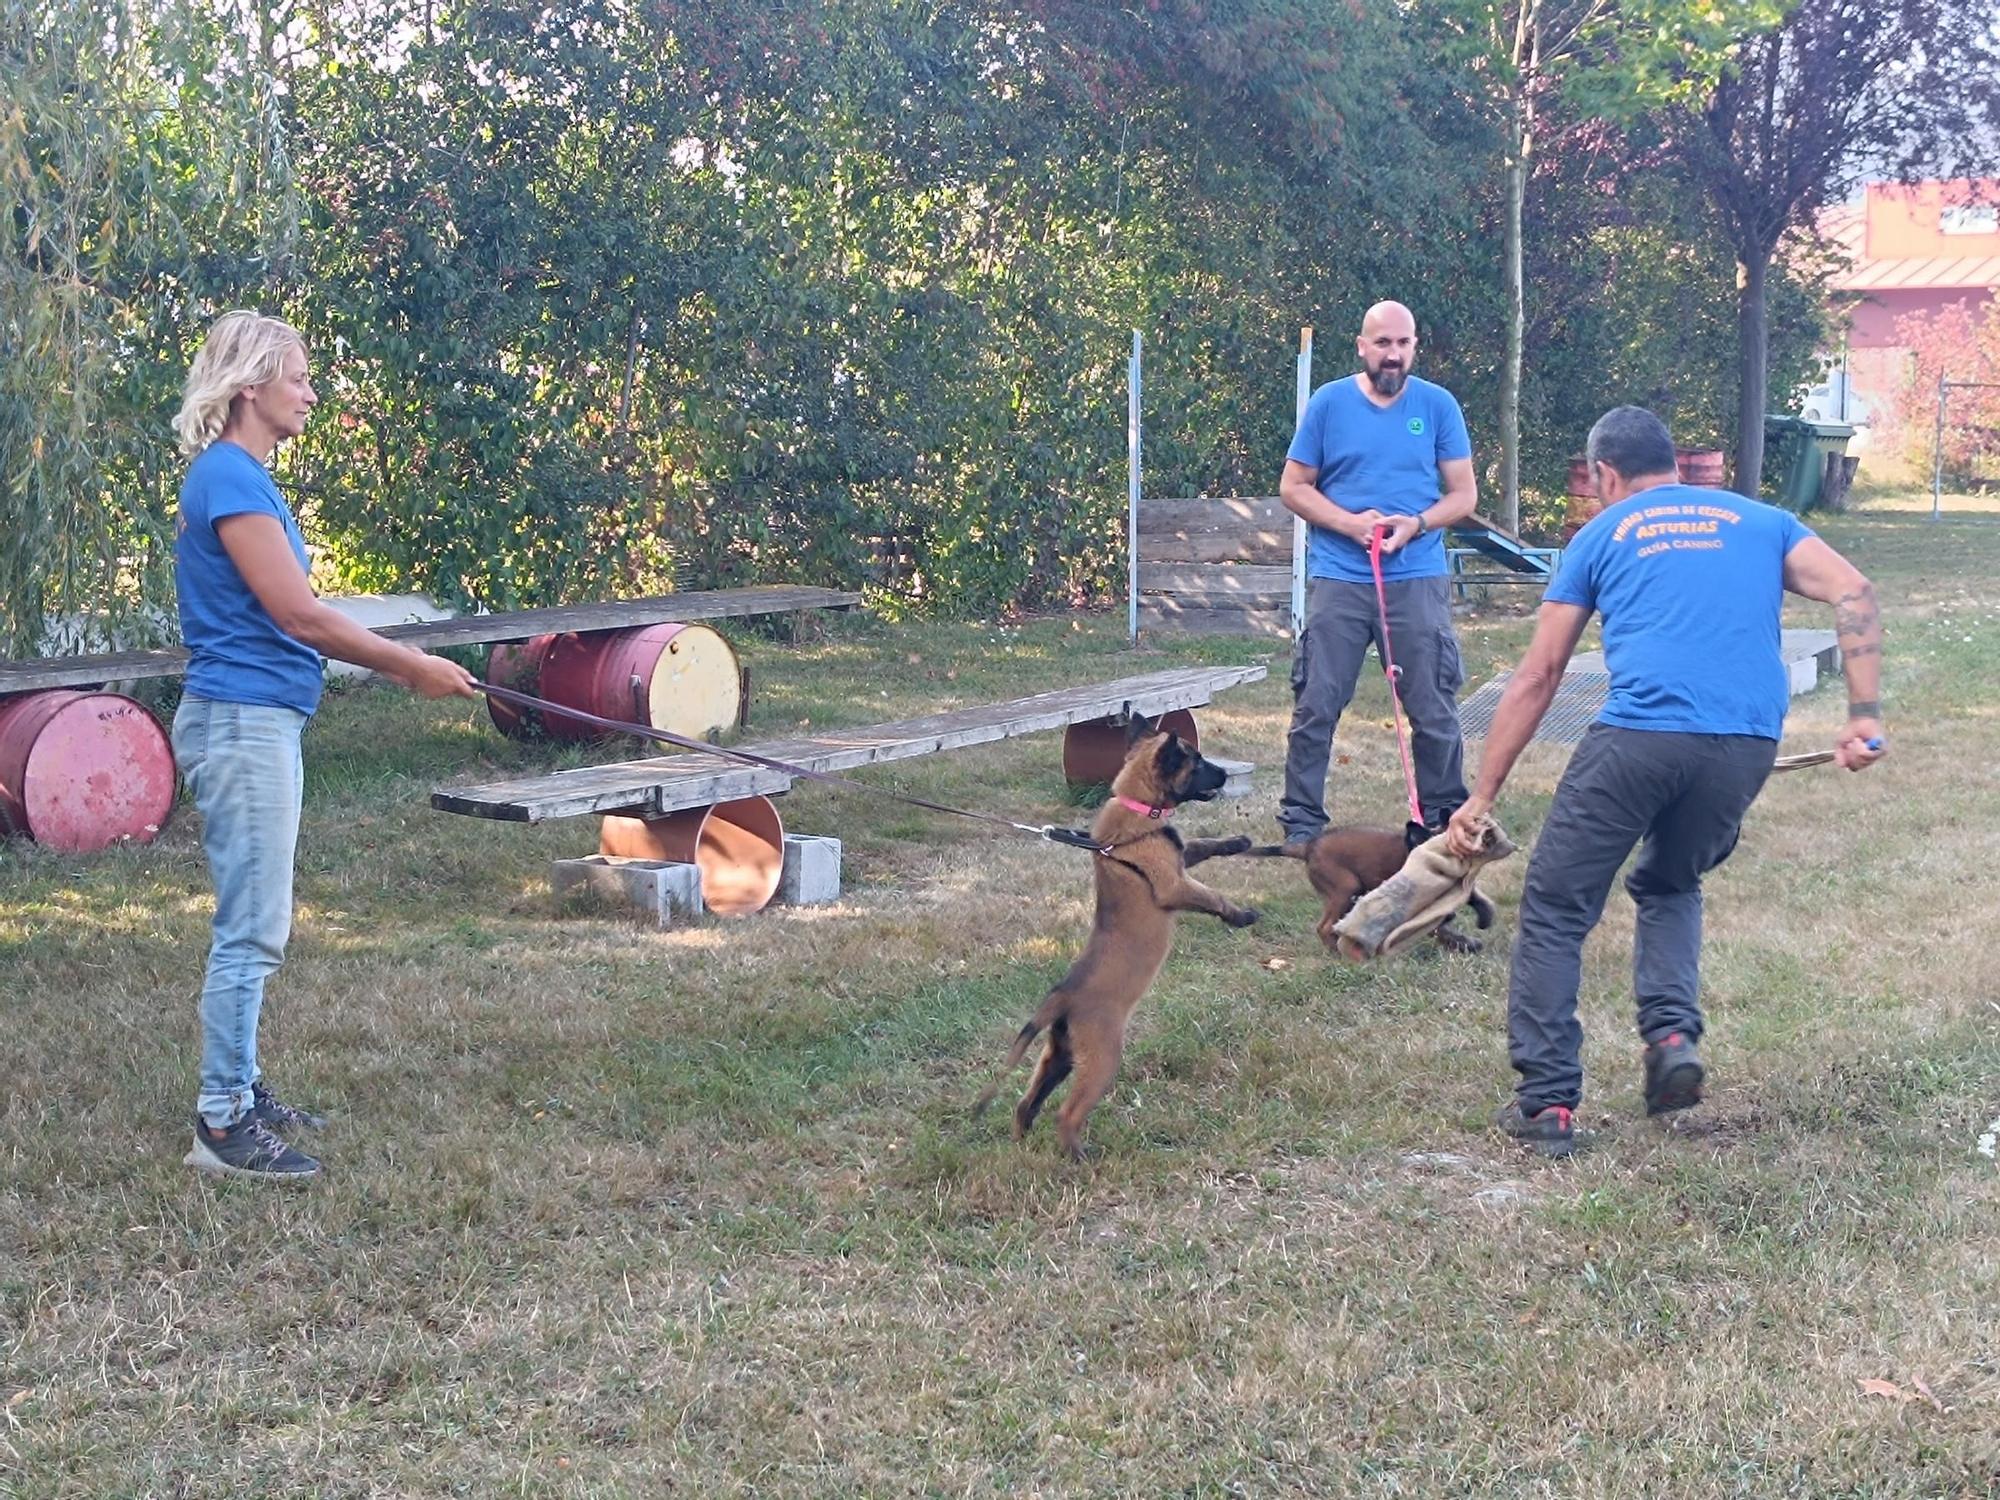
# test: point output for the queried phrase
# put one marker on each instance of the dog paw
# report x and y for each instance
(1238, 845)
(1245, 917)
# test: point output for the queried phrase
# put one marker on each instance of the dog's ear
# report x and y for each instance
(1137, 727)
(1173, 758)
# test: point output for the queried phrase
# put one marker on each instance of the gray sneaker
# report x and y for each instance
(279, 1115)
(249, 1148)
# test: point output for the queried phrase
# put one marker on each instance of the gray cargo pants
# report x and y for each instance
(1341, 622)
(1686, 795)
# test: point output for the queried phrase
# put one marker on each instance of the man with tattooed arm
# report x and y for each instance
(1688, 583)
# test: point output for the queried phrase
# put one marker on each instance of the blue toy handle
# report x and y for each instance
(1873, 742)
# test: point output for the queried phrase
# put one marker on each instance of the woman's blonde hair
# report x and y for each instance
(242, 348)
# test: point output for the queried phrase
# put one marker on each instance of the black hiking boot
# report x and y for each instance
(1551, 1131)
(1673, 1074)
(249, 1148)
(279, 1115)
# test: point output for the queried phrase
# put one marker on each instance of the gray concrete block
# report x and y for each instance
(811, 875)
(1238, 784)
(653, 890)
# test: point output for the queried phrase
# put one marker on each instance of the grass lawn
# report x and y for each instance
(612, 1211)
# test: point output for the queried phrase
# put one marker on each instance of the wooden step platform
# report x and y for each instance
(671, 783)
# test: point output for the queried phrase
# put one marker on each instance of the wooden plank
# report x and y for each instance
(1227, 513)
(704, 604)
(663, 784)
(1272, 623)
(1261, 548)
(515, 625)
(1213, 578)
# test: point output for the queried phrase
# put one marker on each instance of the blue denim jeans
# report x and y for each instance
(242, 762)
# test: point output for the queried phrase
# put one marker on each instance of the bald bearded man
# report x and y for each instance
(1379, 448)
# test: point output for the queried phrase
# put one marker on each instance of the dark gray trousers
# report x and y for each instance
(1341, 623)
(1685, 795)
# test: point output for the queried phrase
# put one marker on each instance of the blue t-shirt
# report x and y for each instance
(1373, 457)
(1689, 583)
(239, 653)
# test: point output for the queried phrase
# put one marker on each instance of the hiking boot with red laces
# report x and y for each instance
(1673, 1074)
(1550, 1131)
(279, 1115)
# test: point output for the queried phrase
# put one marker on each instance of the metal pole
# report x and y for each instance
(1132, 495)
(1937, 455)
(1298, 522)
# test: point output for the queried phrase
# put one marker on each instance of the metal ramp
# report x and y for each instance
(1503, 548)
(1586, 685)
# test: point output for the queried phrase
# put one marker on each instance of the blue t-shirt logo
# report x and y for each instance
(1417, 426)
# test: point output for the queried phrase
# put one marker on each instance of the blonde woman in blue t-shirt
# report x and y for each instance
(256, 636)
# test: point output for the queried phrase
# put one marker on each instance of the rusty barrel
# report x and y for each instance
(739, 848)
(684, 679)
(1702, 466)
(81, 770)
(1093, 751)
(1583, 501)
(517, 665)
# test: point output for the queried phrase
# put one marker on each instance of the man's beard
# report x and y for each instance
(1388, 381)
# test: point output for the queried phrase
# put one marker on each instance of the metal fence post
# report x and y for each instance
(1937, 454)
(1132, 495)
(1298, 522)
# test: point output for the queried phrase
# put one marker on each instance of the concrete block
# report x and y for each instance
(654, 890)
(1238, 784)
(812, 871)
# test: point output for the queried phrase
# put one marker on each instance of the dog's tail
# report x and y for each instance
(1297, 849)
(1050, 1012)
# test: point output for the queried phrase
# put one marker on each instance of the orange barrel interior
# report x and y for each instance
(517, 665)
(1093, 752)
(1702, 466)
(684, 679)
(79, 770)
(739, 847)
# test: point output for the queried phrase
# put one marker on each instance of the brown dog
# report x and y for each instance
(1344, 864)
(1142, 884)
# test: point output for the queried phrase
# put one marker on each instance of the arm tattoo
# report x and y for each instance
(1855, 618)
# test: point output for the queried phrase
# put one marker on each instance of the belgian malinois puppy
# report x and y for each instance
(1344, 864)
(1142, 885)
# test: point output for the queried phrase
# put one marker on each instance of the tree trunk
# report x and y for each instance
(1510, 370)
(1753, 354)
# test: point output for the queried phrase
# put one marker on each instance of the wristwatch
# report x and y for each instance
(1423, 525)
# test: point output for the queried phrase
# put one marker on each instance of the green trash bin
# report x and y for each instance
(1795, 454)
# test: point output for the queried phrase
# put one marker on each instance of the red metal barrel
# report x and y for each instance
(1583, 501)
(681, 678)
(518, 665)
(1702, 466)
(739, 847)
(1094, 750)
(82, 770)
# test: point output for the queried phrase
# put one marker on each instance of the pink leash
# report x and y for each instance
(1393, 672)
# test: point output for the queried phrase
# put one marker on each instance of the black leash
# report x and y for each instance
(1073, 838)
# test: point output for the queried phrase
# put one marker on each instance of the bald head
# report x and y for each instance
(1388, 317)
(1388, 347)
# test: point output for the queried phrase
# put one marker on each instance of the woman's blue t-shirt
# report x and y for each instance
(239, 655)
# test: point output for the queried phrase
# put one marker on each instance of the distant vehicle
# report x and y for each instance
(1835, 399)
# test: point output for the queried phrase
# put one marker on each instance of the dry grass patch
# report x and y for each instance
(613, 1211)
